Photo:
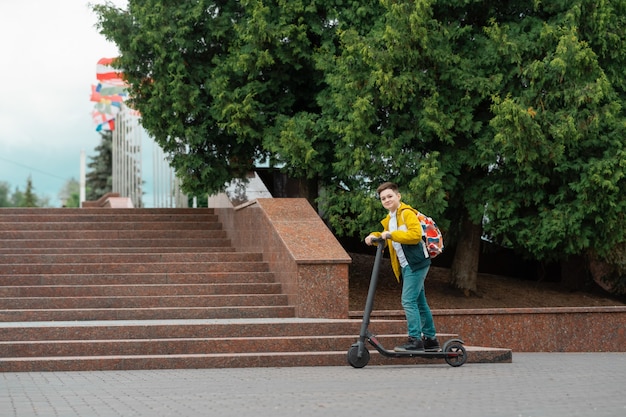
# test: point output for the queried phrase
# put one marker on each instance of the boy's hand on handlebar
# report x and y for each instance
(371, 239)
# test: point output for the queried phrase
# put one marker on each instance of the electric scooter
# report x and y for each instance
(453, 350)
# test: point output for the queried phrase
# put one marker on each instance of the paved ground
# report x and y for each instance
(535, 384)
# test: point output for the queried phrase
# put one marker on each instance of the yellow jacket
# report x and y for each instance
(410, 239)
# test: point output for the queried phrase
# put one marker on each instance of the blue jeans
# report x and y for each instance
(419, 319)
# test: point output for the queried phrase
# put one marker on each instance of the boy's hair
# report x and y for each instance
(387, 185)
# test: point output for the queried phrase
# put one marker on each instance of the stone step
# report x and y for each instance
(126, 301)
(153, 313)
(144, 336)
(228, 328)
(134, 268)
(169, 346)
(112, 244)
(108, 210)
(112, 224)
(201, 343)
(141, 214)
(138, 290)
(110, 234)
(228, 360)
(116, 289)
(67, 346)
(108, 250)
(130, 258)
(82, 216)
(141, 278)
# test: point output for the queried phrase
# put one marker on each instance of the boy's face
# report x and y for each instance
(390, 199)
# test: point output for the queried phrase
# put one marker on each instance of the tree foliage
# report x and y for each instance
(99, 174)
(70, 194)
(498, 118)
(19, 198)
(168, 51)
(5, 197)
(222, 85)
(29, 198)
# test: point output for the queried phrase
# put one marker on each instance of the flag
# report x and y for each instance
(109, 125)
(108, 95)
(105, 72)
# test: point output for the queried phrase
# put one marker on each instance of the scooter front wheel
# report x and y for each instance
(457, 354)
(353, 357)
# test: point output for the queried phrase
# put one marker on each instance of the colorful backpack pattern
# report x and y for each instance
(431, 234)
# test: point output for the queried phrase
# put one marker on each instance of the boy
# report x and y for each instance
(409, 259)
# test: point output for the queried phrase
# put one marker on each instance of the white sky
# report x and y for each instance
(48, 55)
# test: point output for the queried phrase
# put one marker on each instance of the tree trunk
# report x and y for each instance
(308, 188)
(284, 186)
(464, 272)
(600, 271)
(574, 273)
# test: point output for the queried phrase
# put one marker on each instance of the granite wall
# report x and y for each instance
(552, 329)
(313, 268)
(301, 251)
(558, 329)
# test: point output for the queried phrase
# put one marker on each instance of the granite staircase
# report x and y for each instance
(113, 289)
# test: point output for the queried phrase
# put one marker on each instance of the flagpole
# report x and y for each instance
(83, 181)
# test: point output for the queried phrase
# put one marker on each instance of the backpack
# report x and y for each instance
(431, 235)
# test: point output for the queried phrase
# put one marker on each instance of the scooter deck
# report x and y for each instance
(431, 355)
(439, 354)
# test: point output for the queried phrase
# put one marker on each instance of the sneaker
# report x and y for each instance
(431, 344)
(413, 345)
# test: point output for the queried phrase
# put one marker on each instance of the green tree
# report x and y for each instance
(167, 54)
(29, 199)
(222, 85)
(5, 198)
(99, 170)
(17, 198)
(488, 110)
(502, 113)
(70, 194)
(557, 191)
(410, 101)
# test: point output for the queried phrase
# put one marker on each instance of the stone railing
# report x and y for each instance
(109, 200)
(302, 252)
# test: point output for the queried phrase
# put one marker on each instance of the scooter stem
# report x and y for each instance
(369, 303)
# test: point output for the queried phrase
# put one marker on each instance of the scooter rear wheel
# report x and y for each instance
(353, 357)
(459, 354)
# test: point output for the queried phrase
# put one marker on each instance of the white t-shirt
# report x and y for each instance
(393, 226)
